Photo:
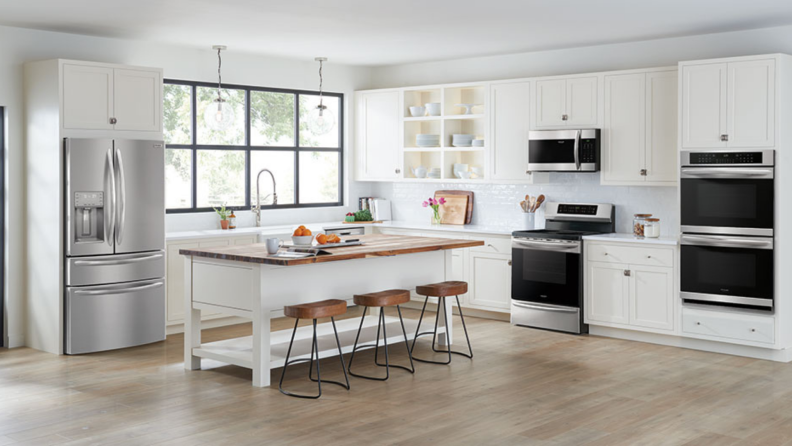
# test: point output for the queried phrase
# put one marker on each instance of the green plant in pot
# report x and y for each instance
(223, 213)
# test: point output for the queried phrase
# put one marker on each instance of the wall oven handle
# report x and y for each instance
(545, 307)
(117, 262)
(576, 149)
(119, 290)
(733, 172)
(727, 242)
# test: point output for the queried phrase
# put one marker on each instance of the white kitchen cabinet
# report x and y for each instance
(104, 97)
(174, 274)
(640, 127)
(378, 142)
(569, 102)
(510, 113)
(490, 281)
(728, 104)
(630, 287)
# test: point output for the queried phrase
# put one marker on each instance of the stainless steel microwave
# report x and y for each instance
(564, 150)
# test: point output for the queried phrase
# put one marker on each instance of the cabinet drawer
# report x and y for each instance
(493, 245)
(744, 327)
(627, 254)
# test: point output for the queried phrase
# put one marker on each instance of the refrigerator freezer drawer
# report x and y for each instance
(117, 268)
(108, 317)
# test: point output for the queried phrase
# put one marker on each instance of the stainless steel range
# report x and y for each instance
(547, 266)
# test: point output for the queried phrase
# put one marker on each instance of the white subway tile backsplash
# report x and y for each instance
(497, 205)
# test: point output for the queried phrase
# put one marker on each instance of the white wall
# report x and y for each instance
(20, 45)
(496, 205)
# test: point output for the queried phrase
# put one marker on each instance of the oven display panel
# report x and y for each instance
(577, 209)
(726, 158)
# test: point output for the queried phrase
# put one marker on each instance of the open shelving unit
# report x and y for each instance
(452, 120)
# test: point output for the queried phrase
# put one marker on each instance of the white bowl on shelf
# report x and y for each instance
(417, 111)
(468, 108)
(433, 108)
(463, 175)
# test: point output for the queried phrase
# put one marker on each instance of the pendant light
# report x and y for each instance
(219, 115)
(321, 120)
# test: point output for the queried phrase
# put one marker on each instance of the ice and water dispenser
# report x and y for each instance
(89, 210)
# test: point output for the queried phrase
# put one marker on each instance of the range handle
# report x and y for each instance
(541, 307)
(560, 246)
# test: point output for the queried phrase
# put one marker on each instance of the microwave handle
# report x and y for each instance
(576, 149)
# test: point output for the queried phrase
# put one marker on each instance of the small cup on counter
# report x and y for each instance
(652, 228)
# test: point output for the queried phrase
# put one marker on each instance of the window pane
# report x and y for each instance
(281, 163)
(234, 134)
(178, 178)
(177, 108)
(319, 177)
(221, 178)
(272, 119)
(308, 104)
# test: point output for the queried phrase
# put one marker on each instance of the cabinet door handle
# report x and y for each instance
(643, 172)
(510, 263)
(398, 170)
(627, 272)
(113, 121)
(564, 117)
(724, 138)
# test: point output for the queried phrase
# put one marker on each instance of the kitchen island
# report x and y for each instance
(246, 281)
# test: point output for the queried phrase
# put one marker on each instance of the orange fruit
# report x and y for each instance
(302, 227)
(298, 232)
(321, 239)
(306, 232)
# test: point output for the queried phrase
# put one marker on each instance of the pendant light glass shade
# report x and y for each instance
(321, 120)
(219, 115)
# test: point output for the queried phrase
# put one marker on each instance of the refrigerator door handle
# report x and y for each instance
(121, 200)
(110, 193)
(119, 290)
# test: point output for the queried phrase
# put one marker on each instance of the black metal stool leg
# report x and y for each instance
(406, 344)
(461, 316)
(418, 327)
(381, 326)
(441, 301)
(310, 368)
(341, 355)
(314, 346)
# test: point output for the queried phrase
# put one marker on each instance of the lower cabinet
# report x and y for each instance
(490, 281)
(174, 274)
(630, 295)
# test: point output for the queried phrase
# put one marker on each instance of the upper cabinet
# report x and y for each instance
(640, 127)
(509, 130)
(568, 102)
(104, 97)
(378, 114)
(728, 104)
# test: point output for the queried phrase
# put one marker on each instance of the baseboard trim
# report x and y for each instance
(748, 351)
(472, 312)
(211, 323)
(15, 341)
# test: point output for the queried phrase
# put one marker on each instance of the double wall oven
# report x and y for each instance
(727, 228)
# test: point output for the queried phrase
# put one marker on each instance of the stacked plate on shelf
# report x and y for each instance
(434, 173)
(427, 140)
(462, 140)
(478, 143)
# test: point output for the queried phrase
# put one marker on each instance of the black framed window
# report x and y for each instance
(207, 168)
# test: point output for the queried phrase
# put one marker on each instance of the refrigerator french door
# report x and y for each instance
(115, 241)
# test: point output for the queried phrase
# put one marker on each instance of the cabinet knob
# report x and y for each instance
(564, 117)
(627, 272)
(398, 170)
(643, 172)
(724, 138)
(753, 330)
(698, 323)
(510, 263)
(605, 254)
(113, 120)
(648, 257)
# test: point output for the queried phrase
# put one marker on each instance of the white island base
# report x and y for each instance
(259, 292)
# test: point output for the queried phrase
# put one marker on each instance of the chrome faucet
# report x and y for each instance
(257, 207)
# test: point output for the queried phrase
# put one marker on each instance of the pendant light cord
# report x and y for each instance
(321, 81)
(219, 75)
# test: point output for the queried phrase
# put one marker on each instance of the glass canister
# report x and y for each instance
(639, 221)
(652, 228)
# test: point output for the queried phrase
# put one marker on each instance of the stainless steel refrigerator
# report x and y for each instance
(115, 243)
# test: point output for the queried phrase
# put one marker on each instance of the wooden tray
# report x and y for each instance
(361, 222)
(456, 193)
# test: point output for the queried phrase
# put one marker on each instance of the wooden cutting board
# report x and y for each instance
(454, 211)
(455, 194)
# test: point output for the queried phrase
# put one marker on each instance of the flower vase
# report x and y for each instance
(437, 219)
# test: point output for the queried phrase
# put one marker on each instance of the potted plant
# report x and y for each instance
(223, 213)
(435, 205)
(350, 217)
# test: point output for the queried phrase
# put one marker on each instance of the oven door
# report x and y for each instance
(726, 270)
(553, 150)
(546, 272)
(727, 200)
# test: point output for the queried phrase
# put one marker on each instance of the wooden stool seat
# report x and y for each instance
(386, 298)
(315, 310)
(443, 289)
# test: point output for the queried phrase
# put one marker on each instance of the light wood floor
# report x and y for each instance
(523, 387)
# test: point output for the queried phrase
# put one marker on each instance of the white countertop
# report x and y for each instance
(629, 238)
(319, 227)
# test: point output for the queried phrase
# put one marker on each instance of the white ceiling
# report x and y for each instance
(381, 32)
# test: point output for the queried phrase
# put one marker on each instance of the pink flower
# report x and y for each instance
(425, 204)
(432, 201)
(442, 200)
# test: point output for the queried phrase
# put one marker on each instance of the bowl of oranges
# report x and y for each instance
(302, 236)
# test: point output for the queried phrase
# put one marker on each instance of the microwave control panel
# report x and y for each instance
(726, 158)
(588, 150)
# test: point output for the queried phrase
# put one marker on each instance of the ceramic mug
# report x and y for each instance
(273, 244)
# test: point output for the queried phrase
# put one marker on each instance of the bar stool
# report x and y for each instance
(441, 291)
(381, 299)
(314, 310)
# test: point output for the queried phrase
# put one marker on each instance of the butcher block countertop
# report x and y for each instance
(374, 245)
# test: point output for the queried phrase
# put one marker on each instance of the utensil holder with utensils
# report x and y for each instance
(529, 207)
